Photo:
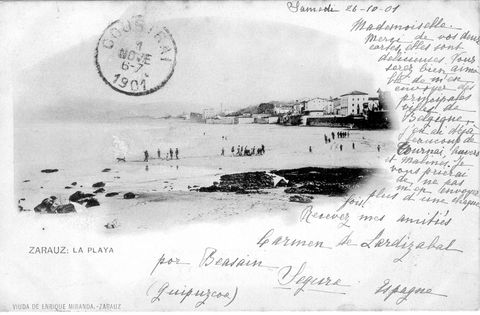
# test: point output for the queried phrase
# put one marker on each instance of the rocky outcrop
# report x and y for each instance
(67, 208)
(281, 183)
(49, 170)
(324, 181)
(47, 205)
(112, 225)
(78, 195)
(106, 170)
(307, 180)
(90, 202)
(51, 205)
(241, 182)
(84, 199)
(301, 199)
(129, 195)
(98, 185)
(111, 194)
(99, 191)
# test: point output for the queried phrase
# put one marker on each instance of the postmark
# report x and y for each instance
(135, 57)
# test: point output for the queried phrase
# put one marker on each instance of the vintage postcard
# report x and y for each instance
(239, 155)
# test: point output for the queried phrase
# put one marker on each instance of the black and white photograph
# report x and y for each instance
(239, 156)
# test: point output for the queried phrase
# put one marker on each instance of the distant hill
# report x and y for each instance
(262, 108)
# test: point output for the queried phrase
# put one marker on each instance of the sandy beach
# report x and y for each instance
(163, 187)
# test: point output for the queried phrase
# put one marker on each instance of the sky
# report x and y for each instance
(232, 62)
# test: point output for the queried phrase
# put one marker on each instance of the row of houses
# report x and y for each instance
(354, 103)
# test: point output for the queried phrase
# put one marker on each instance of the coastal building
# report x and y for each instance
(336, 102)
(372, 105)
(196, 117)
(318, 106)
(272, 119)
(221, 120)
(208, 113)
(244, 120)
(352, 103)
(282, 109)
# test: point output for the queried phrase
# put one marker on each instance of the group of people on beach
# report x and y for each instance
(245, 151)
(169, 155)
(340, 135)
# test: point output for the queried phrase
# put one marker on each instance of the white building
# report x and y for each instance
(317, 107)
(208, 113)
(282, 109)
(245, 120)
(352, 103)
(336, 106)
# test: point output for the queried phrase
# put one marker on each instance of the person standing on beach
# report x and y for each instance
(333, 135)
(310, 149)
(341, 147)
(146, 156)
(378, 148)
(176, 153)
(223, 152)
(158, 154)
(353, 145)
(233, 150)
(171, 154)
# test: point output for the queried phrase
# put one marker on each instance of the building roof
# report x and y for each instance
(318, 98)
(355, 93)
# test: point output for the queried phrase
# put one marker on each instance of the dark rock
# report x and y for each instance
(325, 181)
(99, 184)
(74, 184)
(26, 181)
(332, 189)
(112, 225)
(49, 170)
(111, 194)
(301, 199)
(41, 187)
(250, 191)
(50, 205)
(65, 208)
(117, 177)
(241, 181)
(129, 195)
(281, 183)
(106, 170)
(90, 202)
(47, 205)
(68, 187)
(99, 191)
(78, 195)
(307, 180)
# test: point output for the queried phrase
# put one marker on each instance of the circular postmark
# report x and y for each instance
(134, 57)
